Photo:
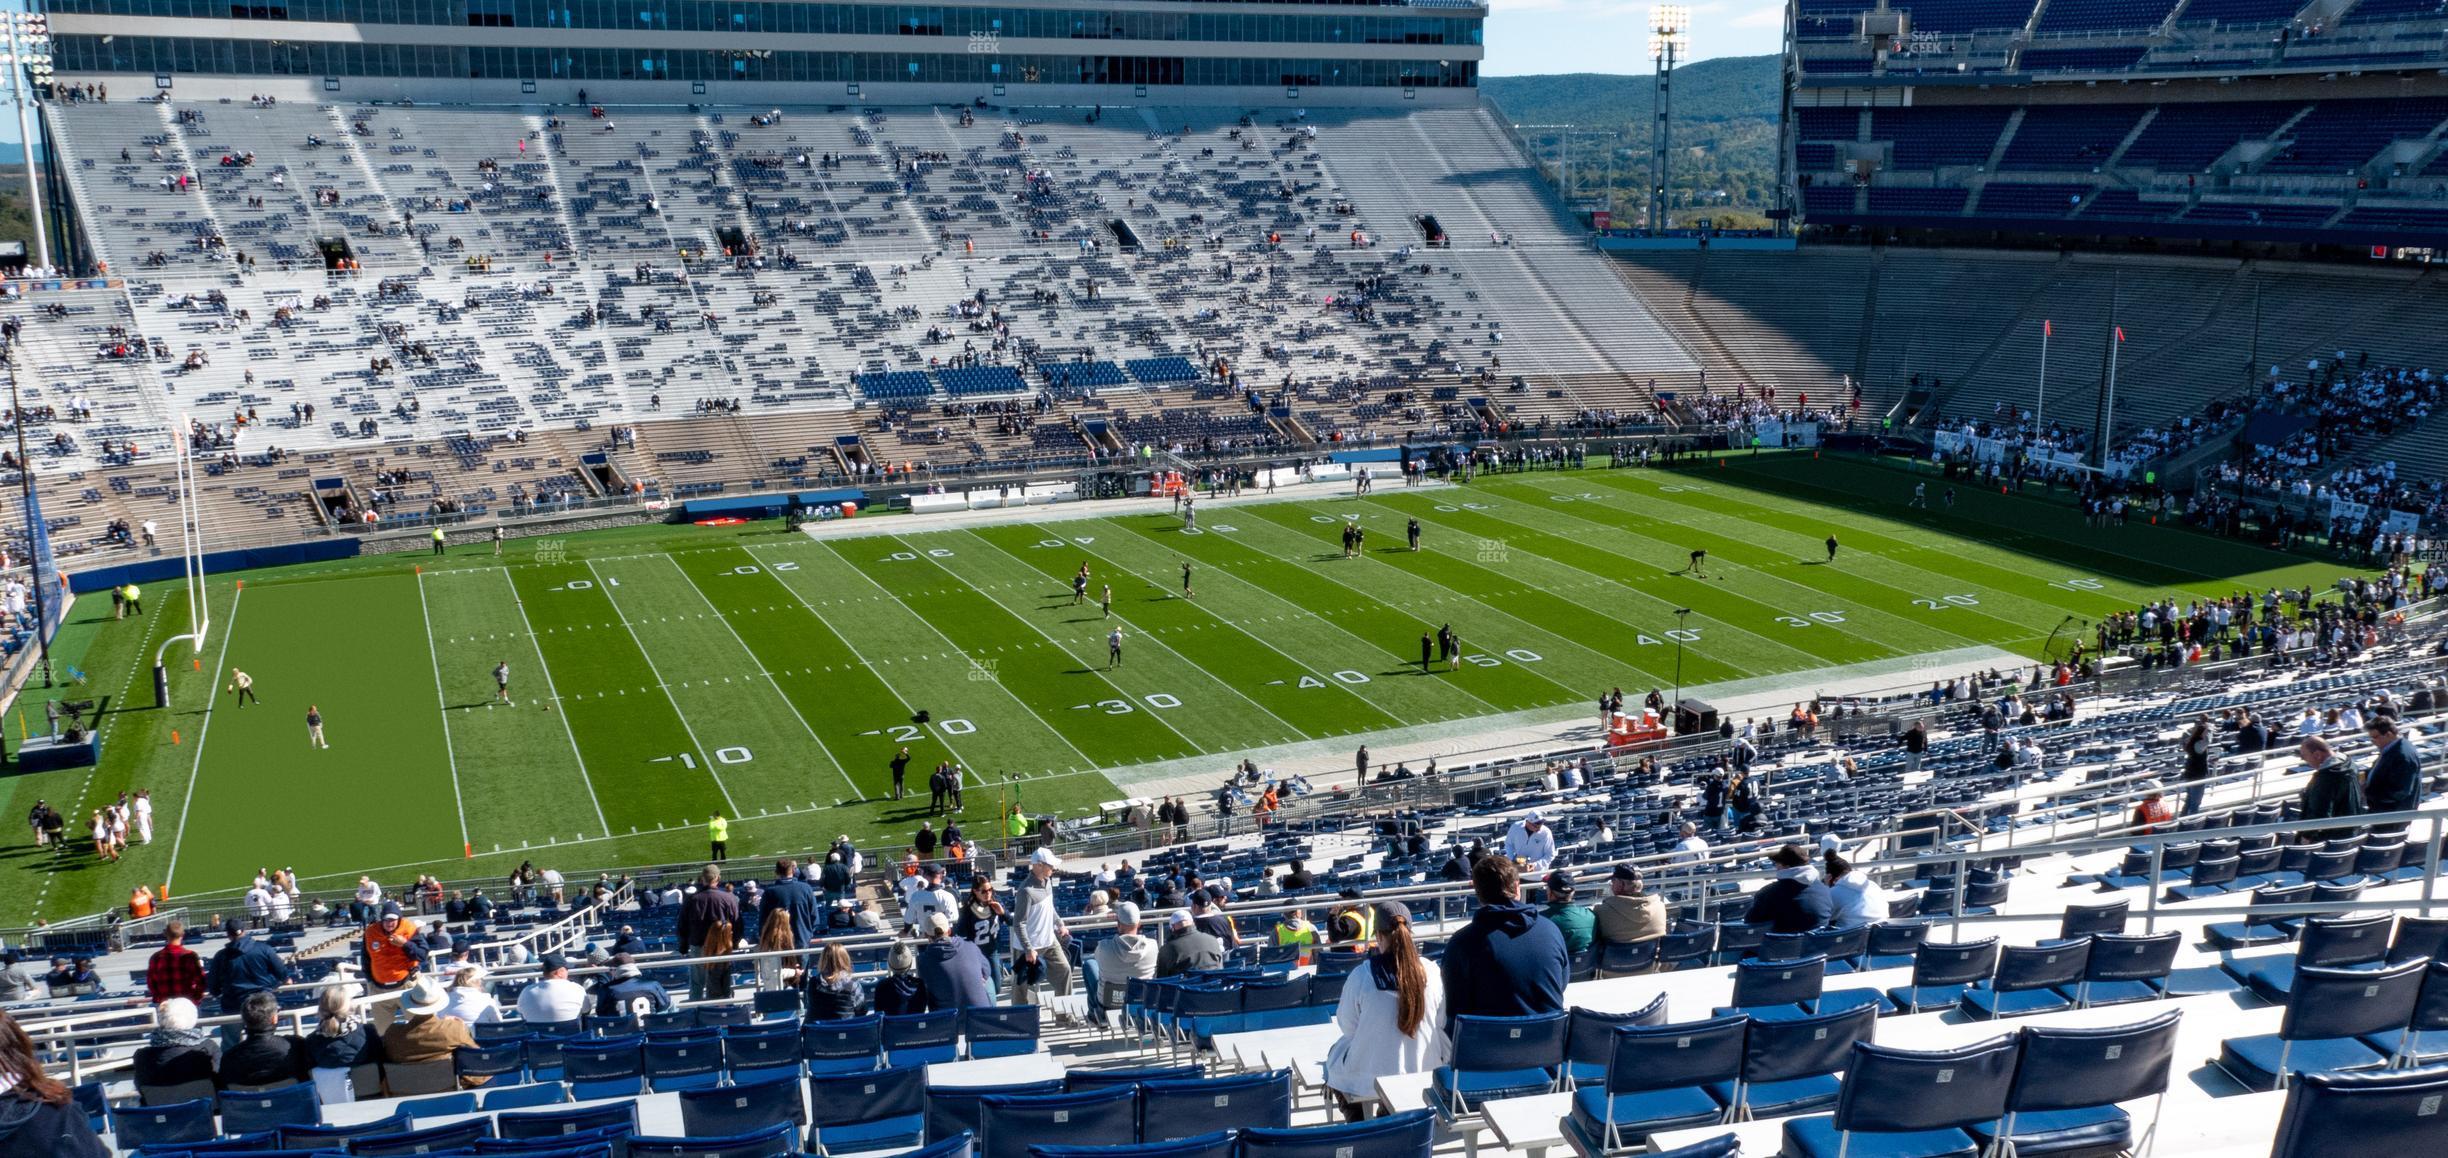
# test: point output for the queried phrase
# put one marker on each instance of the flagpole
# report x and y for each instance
(2040, 408)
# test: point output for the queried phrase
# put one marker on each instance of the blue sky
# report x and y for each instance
(1539, 36)
(1542, 36)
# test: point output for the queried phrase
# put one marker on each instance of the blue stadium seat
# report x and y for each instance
(999, 1031)
(1590, 1044)
(1659, 1078)
(1007, 1123)
(524, 1097)
(501, 1062)
(435, 1140)
(921, 1038)
(1623, 958)
(776, 1141)
(754, 1054)
(611, 1067)
(871, 1110)
(2068, 1083)
(690, 1061)
(956, 1109)
(1789, 1064)
(2348, 942)
(1075, 1081)
(1772, 989)
(742, 1109)
(842, 1046)
(1894, 944)
(565, 1123)
(1912, 1103)
(2029, 980)
(334, 1137)
(161, 1127)
(2424, 1041)
(2125, 968)
(247, 1113)
(1217, 1145)
(449, 1105)
(2396, 1113)
(1499, 1057)
(1721, 1146)
(2327, 1010)
(1186, 1108)
(1941, 972)
(961, 1145)
(1410, 1134)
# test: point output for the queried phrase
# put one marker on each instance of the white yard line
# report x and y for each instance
(770, 679)
(703, 753)
(553, 696)
(1150, 636)
(1085, 765)
(196, 770)
(450, 755)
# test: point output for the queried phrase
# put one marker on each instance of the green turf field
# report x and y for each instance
(660, 674)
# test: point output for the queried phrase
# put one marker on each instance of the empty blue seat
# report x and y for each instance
(2349, 942)
(1076, 1080)
(1778, 989)
(1916, 1104)
(1659, 1077)
(1789, 1064)
(1942, 972)
(1217, 1145)
(870, 1110)
(1410, 1134)
(449, 1105)
(1008, 1123)
(2124, 968)
(161, 1127)
(501, 1062)
(570, 1122)
(2327, 1011)
(2068, 1083)
(332, 1137)
(1186, 1108)
(999, 1031)
(434, 1140)
(1620, 958)
(1895, 944)
(742, 1109)
(835, 1046)
(2253, 930)
(957, 1109)
(247, 1113)
(524, 1097)
(2331, 1114)
(1499, 1057)
(757, 1053)
(2029, 979)
(2088, 920)
(611, 1067)
(921, 1038)
(1590, 1043)
(776, 1141)
(692, 1061)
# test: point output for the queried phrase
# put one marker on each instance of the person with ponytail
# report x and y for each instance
(38, 1118)
(1392, 1016)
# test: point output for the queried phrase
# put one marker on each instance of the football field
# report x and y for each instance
(661, 674)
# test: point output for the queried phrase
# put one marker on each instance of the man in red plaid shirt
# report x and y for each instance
(174, 971)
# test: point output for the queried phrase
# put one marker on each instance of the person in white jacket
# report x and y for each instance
(1392, 1017)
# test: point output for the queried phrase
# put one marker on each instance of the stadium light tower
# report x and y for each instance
(29, 64)
(1669, 39)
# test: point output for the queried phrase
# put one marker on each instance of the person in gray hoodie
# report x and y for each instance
(1125, 955)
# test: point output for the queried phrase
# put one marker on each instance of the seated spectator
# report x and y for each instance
(1629, 914)
(628, 992)
(955, 973)
(1126, 955)
(1857, 899)
(901, 992)
(1297, 878)
(422, 1034)
(264, 1056)
(832, 990)
(342, 1039)
(38, 1117)
(469, 1000)
(18, 985)
(1580, 925)
(1532, 843)
(1796, 901)
(1506, 962)
(1391, 1017)
(1188, 948)
(553, 999)
(176, 1052)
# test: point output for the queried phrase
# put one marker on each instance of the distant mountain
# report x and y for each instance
(12, 153)
(1725, 121)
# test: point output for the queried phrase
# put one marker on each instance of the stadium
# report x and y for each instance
(742, 579)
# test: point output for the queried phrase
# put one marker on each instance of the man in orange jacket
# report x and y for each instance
(391, 952)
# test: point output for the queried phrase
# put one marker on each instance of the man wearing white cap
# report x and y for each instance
(1036, 931)
(1532, 843)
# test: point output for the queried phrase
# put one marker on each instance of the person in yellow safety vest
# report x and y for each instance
(718, 837)
(437, 537)
(1295, 929)
(1019, 823)
(1354, 922)
(135, 600)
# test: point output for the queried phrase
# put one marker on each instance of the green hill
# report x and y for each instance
(1725, 121)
